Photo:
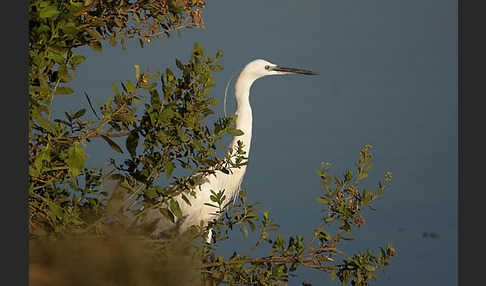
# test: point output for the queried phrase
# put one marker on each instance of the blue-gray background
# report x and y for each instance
(388, 77)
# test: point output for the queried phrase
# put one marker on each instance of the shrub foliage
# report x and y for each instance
(157, 122)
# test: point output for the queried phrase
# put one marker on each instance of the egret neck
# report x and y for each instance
(243, 112)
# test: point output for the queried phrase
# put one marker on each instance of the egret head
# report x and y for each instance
(260, 68)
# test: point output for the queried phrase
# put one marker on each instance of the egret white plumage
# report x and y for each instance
(196, 212)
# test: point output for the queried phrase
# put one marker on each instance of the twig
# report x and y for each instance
(302, 260)
(90, 105)
(139, 188)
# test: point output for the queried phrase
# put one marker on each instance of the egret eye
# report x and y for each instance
(267, 67)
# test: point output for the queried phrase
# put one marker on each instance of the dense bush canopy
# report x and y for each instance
(161, 118)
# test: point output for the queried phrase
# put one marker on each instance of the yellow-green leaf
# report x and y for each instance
(175, 209)
(48, 12)
(75, 160)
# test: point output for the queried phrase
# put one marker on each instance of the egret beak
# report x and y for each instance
(293, 71)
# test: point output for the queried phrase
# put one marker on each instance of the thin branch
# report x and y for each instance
(277, 259)
(139, 188)
(90, 105)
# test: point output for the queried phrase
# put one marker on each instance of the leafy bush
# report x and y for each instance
(71, 210)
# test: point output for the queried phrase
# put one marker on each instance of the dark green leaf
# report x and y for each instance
(166, 213)
(78, 114)
(112, 144)
(179, 64)
(185, 199)
(132, 143)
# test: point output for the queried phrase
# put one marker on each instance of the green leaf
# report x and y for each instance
(216, 68)
(322, 200)
(175, 209)
(64, 90)
(185, 199)
(94, 33)
(75, 160)
(77, 60)
(96, 46)
(112, 144)
(182, 135)
(151, 193)
(48, 12)
(370, 267)
(132, 143)
(325, 235)
(198, 48)
(166, 213)
(44, 155)
(179, 64)
(76, 7)
(245, 230)
(213, 101)
(211, 205)
(148, 86)
(235, 132)
(69, 28)
(78, 114)
(329, 219)
(115, 89)
(64, 74)
(130, 86)
(44, 123)
(169, 167)
(56, 55)
(137, 71)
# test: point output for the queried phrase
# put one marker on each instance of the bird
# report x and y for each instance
(198, 210)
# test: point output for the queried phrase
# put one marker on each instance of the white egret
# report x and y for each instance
(198, 211)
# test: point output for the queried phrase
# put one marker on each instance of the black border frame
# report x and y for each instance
(471, 159)
(14, 167)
